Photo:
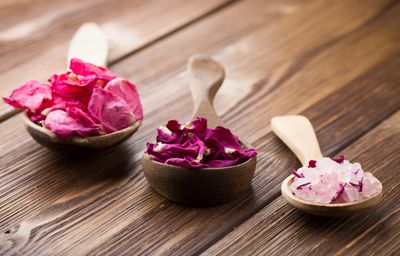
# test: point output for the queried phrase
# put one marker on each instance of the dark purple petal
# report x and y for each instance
(360, 184)
(294, 172)
(196, 146)
(312, 163)
(339, 192)
(173, 125)
(339, 160)
(199, 125)
(303, 185)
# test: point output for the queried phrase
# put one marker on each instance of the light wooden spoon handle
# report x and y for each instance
(298, 134)
(206, 77)
(89, 44)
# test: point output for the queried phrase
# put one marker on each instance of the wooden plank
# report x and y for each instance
(34, 46)
(373, 232)
(77, 197)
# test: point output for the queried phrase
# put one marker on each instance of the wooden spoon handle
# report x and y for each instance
(298, 134)
(206, 77)
(89, 44)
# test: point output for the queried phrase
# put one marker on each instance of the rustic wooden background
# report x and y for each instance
(335, 61)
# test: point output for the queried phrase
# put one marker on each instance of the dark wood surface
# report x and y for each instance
(337, 62)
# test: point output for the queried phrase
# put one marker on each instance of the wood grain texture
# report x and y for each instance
(375, 232)
(101, 204)
(120, 203)
(35, 45)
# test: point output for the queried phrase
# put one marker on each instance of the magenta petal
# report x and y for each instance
(164, 137)
(174, 126)
(62, 124)
(127, 91)
(81, 117)
(339, 160)
(111, 111)
(311, 164)
(199, 124)
(196, 146)
(82, 68)
(30, 95)
(295, 173)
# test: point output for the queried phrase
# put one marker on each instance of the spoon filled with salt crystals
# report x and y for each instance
(323, 186)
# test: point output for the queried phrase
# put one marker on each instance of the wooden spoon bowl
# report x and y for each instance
(299, 135)
(89, 44)
(328, 210)
(199, 187)
(206, 186)
(51, 141)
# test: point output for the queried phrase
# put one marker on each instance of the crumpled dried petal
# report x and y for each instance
(111, 109)
(127, 91)
(30, 95)
(195, 146)
(87, 69)
(71, 122)
(112, 112)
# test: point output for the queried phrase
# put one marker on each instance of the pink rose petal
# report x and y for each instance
(63, 124)
(127, 91)
(87, 69)
(30, 95)
(112, 112)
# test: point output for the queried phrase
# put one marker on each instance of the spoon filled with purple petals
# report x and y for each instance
(200, 163)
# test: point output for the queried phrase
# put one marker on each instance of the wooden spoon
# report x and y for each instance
(89, 44)
(298, 134)
(207, 186)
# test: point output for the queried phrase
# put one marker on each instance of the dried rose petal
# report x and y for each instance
(339, 160)
(127, 91)
(165, 135)
(311, 163)
(87, 69)
(63, 124)
(112, 112)
(71, 94)
(30, 95)
(195, 146)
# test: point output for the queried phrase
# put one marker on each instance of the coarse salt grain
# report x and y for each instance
(330, 181)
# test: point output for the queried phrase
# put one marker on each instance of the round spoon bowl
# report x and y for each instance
(199, 187)
(51, 141)
(328, 210)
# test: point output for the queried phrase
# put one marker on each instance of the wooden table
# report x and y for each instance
(335, 61)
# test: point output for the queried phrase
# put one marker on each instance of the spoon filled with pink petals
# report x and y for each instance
(87, 107)
(323, 186)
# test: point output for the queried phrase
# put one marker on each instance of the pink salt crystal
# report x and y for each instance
(371, 185)
(112, 112)
(332, 181)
